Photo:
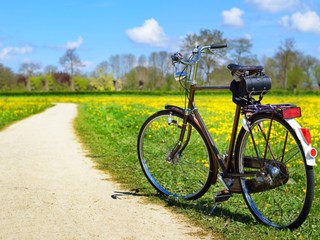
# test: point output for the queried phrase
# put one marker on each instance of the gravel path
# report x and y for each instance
(50, 190)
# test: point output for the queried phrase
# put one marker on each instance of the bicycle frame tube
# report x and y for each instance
(233, 136)
(225, 166)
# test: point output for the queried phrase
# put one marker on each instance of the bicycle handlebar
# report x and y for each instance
(177, 57)
(218, 45)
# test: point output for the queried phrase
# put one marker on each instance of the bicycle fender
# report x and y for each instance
(174, 108)
(311, 161)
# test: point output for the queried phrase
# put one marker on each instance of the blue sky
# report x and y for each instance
(40, 31)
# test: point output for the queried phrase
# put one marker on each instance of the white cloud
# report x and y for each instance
(76, 44)
(303, 22)
(274, 5)
(8, 52)
(232, 17)
(150, 33)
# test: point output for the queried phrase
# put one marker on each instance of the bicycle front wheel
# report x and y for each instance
(281, 192)
(188, 173)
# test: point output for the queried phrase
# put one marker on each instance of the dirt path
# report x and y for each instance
(50, 190)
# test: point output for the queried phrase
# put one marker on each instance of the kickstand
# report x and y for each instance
(213, 208)
(221, 196)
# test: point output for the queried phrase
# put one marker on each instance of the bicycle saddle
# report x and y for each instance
(239, 71)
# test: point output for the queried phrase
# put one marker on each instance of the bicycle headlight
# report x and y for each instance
(178, 76)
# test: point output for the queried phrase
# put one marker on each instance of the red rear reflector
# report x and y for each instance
(306, 134)
(313, 152)
(291, 112)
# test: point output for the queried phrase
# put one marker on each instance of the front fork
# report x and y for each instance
(192, 118)
(183, 141)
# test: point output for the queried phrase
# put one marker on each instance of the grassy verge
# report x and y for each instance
(110, 129)
(15, 108)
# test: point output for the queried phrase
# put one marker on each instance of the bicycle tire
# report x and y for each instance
(186, 176)
(286, 204)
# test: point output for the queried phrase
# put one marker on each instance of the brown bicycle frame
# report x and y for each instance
(225, 165)
(196, 117)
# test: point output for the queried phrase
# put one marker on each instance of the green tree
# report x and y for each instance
(28, 70)
(35, 83)
(131, 81)
(171, 83)
(296, 78)
(317, 75)
(271, 70)
(102, 83)
(7, 78)
(48, 77)
(100, 79)
(49, 82)
(220, 76)
(137, 78)
(308, 64)
(81, 83)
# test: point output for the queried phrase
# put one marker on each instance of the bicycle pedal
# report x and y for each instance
(221, 196)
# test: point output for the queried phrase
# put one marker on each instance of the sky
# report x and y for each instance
(40, 31)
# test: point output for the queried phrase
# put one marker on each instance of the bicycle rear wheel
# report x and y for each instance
(188, 173)
(281, 193)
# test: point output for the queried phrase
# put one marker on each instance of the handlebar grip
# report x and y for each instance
(218, 45)
(176, 57)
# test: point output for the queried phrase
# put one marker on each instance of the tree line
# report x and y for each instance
(289, 68)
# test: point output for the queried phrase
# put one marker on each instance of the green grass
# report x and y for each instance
(110, 133)
(17, 108)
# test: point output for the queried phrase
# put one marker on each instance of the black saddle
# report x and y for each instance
(242, 70)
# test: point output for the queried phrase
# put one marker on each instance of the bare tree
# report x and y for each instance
(157, 75)
(29, 69)
(209, 61)
(241, 51)
(103, 67)
(285, 58)
(128, 62)
(142, 61)
(50, 69)
(72, 64)
(163, 61)
(115, 66)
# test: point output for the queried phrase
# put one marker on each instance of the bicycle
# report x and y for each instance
(270, 161)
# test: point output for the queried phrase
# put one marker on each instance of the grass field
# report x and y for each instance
(16, 108)
(109, 125)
